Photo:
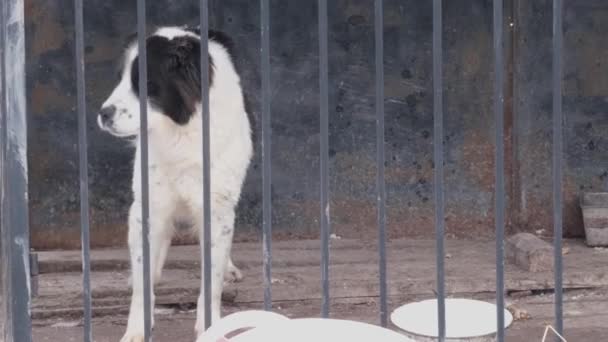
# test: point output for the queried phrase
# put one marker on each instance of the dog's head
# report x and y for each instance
(174, 83)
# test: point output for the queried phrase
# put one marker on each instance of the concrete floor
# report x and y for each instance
(296, 287)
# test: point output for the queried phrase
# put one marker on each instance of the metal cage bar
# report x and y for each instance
(206, 238)
(83, 168)
(380, 158)
(14, 197)
(145, 190)
(438, 162)
(558, 138)
(324, 152)
(499, 164)
(266, 155)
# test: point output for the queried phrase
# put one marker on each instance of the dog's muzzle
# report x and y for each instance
(106, 116)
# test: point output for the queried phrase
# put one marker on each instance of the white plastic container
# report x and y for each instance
(466, 320)
(320, 330)
(260, 326)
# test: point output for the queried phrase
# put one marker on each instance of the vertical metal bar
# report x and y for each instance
(438, 161)
(15, 224)
(4, 262)
(266, 166)
(557, 160)
(206, 238)
(324, 152)
(380, 158)
(145, 190)
(83, 168)
(499, 218)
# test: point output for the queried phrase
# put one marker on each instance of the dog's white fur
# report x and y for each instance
(175, 176)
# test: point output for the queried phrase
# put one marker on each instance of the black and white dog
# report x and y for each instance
(175, 154)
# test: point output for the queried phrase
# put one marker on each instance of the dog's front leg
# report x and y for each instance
(157, 237)
(222, 228)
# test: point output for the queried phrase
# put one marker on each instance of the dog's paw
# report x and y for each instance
(233, 274)
(133, 336)
(135, 325)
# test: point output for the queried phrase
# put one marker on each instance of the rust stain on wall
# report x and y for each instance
(48, 33)
(411, 175)
(478, 159)
(473, 54)
(573, 216)
(47, 97)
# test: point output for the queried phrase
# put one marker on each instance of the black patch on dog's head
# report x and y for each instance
(174, 75)
(219, 37)
(227, 42)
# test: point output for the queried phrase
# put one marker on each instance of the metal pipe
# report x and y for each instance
(204, 22)
(83, 169)
(266, 155)
(324, 153)
(499, 163)
(380, 157)
(438, 161)
(145, 190)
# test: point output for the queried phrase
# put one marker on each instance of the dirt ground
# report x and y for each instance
(296, 290)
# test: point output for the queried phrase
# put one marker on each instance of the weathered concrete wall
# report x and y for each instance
(585, 102)
(468, 99)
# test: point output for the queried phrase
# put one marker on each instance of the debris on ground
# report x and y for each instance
(518, 313)
(529, 252)
(277, 281)
(520, 294)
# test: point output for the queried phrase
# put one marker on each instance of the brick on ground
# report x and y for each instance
(529, 252)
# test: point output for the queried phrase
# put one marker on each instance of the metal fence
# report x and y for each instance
(14, 200)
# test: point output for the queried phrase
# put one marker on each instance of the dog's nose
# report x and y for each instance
(107, 113)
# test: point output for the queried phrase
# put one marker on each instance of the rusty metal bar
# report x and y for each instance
(324, 152)
(15, 251)
(266, 155)
(83, 168)
(438, 161)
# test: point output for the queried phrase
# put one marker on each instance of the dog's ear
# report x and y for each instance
(185, 62)
(185, 67)
(184, 53)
